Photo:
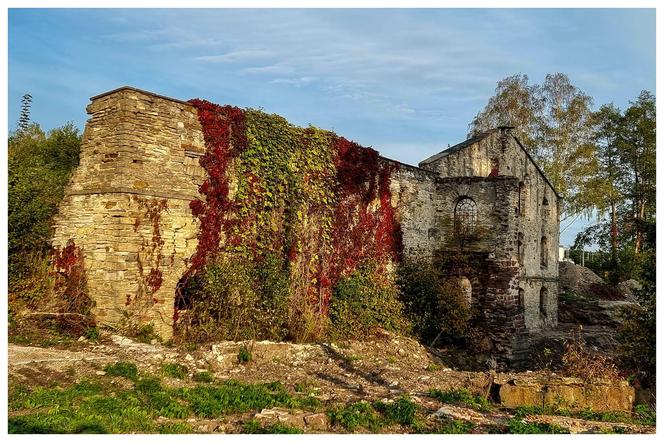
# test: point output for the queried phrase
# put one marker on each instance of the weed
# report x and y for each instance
(203, 376)
(177, 371)
(356, 415)
(103, 408)
(402, 411)
(462, 396)
(520, 426)
(146, 334)
(123, 369)
(432, 367)
(244, 355)
(254, 427)
(92, 334)
(453, 426)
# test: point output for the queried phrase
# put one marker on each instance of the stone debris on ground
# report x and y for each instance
(335, 374)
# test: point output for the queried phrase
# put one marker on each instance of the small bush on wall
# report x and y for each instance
(363, 301)
(238, 299)
(437, 306)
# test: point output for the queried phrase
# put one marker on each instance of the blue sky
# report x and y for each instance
(406, 82)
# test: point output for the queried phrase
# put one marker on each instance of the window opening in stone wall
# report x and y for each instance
(544, 294)
(522, 297)
(519, 248)
(545, 202)
(544, 252)
(465, 216)
(522, 199)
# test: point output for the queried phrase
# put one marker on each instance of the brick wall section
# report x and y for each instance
(127, 206)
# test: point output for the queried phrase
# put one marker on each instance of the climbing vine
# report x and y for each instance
(316, 200)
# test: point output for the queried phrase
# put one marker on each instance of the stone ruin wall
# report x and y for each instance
(127, 205)
(500, 155)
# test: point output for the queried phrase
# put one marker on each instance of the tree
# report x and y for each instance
(39, 167)
(516, 103)
(553, 121)
(603, 192)
(24, 118)
(637, 151)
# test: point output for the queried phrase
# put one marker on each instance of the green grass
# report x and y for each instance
(462, 396)
(203, 376)
(176, 371)
(101, 407)
(402, 411)
(122, 369)
(356, 415)
(519, 426)
(373, 417)
(453, 426)
(254, 427)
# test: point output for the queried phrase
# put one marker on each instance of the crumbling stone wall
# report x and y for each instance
(127, 209)
(532, 237)
(127, 205)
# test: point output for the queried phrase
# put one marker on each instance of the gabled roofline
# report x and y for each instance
(532, 160)
(459, 146)
(479, 137)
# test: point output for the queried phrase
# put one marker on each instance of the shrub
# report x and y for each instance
(145, 334)
(123, 369)
(637, 334)
(438, 308)
(177, 371)
(580, 362)
(39, 167)
(237, 299)
(244, 355)
(364, 300)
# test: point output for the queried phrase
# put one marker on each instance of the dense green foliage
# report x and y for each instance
(436, 306)
(239, 299)
(39, 167)
(363, 301)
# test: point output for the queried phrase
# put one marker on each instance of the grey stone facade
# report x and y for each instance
(127, 208)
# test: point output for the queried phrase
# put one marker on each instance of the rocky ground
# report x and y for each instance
(383, 369)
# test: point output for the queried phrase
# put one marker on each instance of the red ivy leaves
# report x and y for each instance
(224, 133)
(361, 228)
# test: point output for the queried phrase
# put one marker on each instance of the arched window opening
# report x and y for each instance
(520, 248)
(522, 298)
(544, 252)
(465, 216)
(543, 302)
(522, 199)
(545, 202)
